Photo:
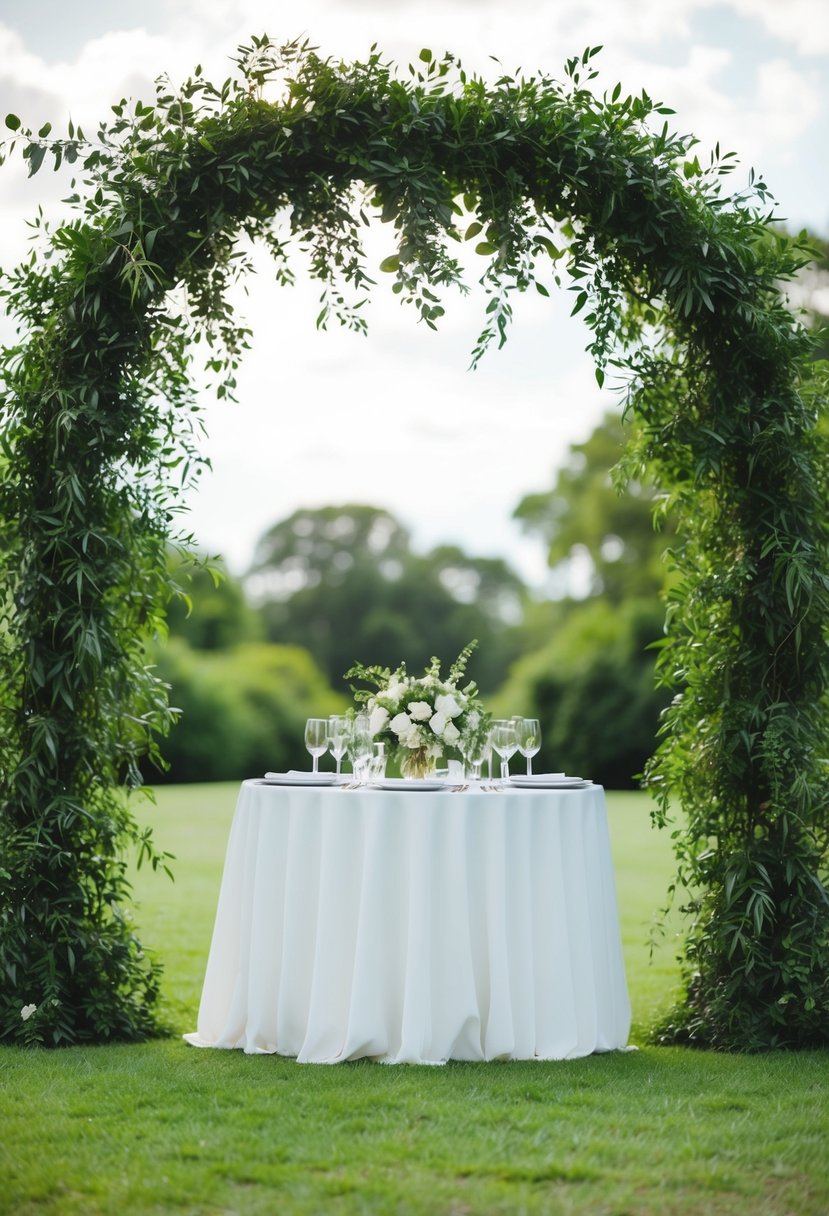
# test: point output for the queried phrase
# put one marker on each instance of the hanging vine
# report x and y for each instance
(556, 186)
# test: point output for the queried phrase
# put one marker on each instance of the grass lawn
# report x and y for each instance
(162, 1127)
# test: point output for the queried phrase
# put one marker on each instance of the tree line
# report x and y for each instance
(248, 659)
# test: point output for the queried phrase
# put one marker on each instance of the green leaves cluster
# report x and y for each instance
(680, 285)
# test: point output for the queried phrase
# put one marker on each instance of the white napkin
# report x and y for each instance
(296, 774)
(542, 777)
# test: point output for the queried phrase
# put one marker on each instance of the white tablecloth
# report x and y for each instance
(416, 927)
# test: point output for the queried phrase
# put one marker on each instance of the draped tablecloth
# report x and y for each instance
(416, 927)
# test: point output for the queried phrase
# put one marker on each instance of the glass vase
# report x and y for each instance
(416, 763)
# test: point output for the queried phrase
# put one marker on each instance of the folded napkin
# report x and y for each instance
(539, 777)
(298, 774)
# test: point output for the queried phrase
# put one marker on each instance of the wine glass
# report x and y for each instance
(316, 739)
(528, 734)
(474, 753)
(338, 737)
(360, 746)
(486, 754)
(505, 743)
(377, 762)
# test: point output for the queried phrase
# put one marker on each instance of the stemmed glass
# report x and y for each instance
(360, 746)
(474, 754)
(528, 734)
(486, 754)
(316, 739)
(338, 737)
(505, 743)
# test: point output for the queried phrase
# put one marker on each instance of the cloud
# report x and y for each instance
(802, 24)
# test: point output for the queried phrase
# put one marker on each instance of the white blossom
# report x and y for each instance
(378, 719)
(438, 723)
(451, 734)
(420, 710)
(401, 724)
(27, 1011)
(446, 704)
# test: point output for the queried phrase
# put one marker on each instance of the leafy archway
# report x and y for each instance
(679, 283)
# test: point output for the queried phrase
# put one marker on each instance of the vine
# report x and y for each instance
(680, 284)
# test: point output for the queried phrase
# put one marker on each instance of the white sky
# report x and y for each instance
(397, 420)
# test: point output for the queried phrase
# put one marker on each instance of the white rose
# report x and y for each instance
(27, 1011)
(401, 724)
(420, 710)
(378, 719)
(438, 723)
(446, 704)
(451, 733)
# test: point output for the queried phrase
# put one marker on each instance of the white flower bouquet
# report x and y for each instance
(421, 717)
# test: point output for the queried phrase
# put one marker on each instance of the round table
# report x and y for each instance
(416, 927)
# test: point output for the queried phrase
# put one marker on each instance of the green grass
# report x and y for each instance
(161, 1127)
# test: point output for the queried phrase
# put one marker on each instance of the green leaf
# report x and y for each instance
(390, 264)
(34, 154)
(581, 300)
(12, 122)
(486, 247)
(425, 55)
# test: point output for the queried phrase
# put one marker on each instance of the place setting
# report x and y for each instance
(422, 734)
(350, 737)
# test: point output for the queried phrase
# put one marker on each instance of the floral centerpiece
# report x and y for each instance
(422, 717)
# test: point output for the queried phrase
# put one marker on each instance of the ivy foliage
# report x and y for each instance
(554, 185)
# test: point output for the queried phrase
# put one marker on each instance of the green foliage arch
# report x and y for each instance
(680, 285)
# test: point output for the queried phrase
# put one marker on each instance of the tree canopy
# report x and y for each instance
(345, 583)
(587, 514)
(680, 285)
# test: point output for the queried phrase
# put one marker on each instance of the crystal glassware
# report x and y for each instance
(475, 751)
(360, 746)
(486, 754)
(338, 728)
(377, 762)
(504, 742)
(316, 739)
(528, 735)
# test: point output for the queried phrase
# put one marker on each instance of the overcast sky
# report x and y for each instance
(397, 419)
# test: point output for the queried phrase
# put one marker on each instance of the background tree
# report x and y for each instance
(592, 688)
(587, 671)
(242, 710)
(590, 514)
(211, 610)
(344, 582)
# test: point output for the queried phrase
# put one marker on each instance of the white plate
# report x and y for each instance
(298, 778)
(562, 783)
(409, 783)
